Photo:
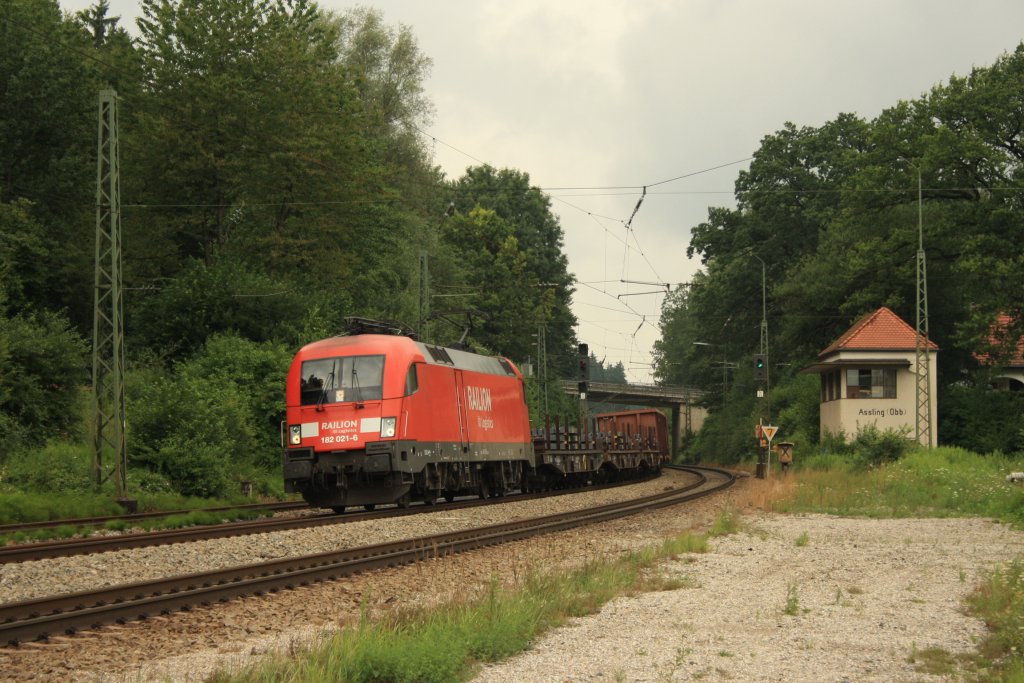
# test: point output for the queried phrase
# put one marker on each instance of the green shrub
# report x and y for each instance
(59, 466)
(195, 468)
(873, 447)
(980, 419)
(257, 372)
(189, 429)
(147, 481)
(35, 507)
(44, 366)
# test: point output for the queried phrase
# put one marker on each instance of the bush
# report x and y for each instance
(189, 428)
(57, 467)
(195, 468)
(146, 481)
(44, 366)
(257, 372)
(873, 447)
(982, 420)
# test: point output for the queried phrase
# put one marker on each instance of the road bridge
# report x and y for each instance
(686, 413)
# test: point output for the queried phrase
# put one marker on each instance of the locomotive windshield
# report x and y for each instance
(341, 380)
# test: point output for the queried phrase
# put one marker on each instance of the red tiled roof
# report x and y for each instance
(996, 336)
(882, 330)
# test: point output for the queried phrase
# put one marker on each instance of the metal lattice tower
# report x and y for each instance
(108, 320)
(923, 412)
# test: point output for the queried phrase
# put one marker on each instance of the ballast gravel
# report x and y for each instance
(855, 603)
(862, 597)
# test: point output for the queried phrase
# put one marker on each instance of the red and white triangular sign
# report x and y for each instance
(769, 431)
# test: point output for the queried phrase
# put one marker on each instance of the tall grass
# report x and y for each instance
(941, 482)
(449, 643)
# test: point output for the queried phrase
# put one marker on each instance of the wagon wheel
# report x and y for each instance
(403, 502)
(370, 507)
(449, 496)
(338, 509)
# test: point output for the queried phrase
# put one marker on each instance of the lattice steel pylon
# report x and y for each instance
(922, 359)
(108, 319)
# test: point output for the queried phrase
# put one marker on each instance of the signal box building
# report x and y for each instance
(868, 377)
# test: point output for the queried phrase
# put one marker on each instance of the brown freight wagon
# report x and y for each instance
(644, 430)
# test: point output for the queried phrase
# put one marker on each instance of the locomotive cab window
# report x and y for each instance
(342, 380)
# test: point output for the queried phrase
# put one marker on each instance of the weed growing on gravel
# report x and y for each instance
(934, 661)
(447, 643)
(726, 523)
(999, 602)
(802, 540)
(792, 601)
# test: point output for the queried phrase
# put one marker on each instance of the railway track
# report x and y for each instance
(24, 552)
(83, 522)
(42, 618)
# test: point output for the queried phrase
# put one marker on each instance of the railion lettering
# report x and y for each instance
(478, 398)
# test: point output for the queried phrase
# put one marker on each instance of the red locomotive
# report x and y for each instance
(382, 418)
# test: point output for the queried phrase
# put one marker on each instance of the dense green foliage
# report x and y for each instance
(831, 214)
(274, 181)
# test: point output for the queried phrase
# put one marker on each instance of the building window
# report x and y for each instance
(831, 388)
(871, 383)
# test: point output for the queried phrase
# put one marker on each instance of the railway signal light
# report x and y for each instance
(760, 366)
(584, 362)
(583, 367)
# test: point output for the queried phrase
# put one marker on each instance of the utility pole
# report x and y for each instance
(762, 460)
(108, 311)
(542, 365)
(424, 312)
(922, 358)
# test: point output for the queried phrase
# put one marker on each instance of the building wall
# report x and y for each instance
(849, 415)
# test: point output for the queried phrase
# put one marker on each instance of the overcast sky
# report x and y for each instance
(610, 94)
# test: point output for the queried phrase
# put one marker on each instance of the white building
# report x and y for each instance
(868, 377)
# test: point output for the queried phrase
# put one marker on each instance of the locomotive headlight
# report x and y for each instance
(387, 427)
(295, 434)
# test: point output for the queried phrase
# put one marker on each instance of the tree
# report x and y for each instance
(837, 209)
(388, 71)
(540, 241)
(47, 146)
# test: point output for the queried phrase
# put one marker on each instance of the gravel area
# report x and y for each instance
(869, 593)
(863, 596)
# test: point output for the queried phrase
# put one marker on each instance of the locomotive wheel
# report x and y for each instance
(338, 509)
(369, 507)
